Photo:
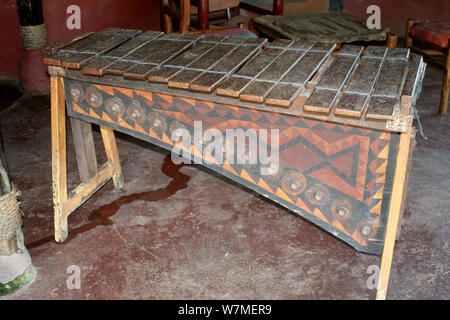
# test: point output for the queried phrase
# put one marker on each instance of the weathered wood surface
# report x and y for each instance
(73, 48)
(97, 65)
(329, 87)
(412, 86)
(77, 60)
(387, 90)
(360, 84)
(372, 84)
(204, 71)
(78, 44)
(283, 94)
(381, 107)
(84, 149)
(161, 51)
(60, 45)
(232, 86)
(259, 62)
(373, 88)
(164, 73)
(278, 74)
(322, 27)
(413, 75)
(304, 70)
(398, 124)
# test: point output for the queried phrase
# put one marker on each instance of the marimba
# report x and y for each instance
(344, 120)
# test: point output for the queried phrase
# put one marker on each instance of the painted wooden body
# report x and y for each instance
(344, 122)
(348, 169)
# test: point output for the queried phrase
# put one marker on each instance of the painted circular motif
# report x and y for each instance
(342, 210)
(114, 107)
(318, 195)
(94, 97)
(293, 183)
(135, 112)
(76, 92)
(157, 122)
(367, 229)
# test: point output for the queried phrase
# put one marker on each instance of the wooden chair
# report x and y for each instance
(278, 8)
(169, 12)
(169, 16)
(437, 37)
(202, 8)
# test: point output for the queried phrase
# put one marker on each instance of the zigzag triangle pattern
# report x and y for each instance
(344, 168)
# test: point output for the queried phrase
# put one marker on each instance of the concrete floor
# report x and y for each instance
(186, 233)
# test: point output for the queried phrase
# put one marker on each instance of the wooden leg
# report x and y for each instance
(235, 11)
(59, 170)
(278, 7)
(113, 155)
(408, 38)
(92, 178)
(394, 213)
(185, 15)
(445, 84)
(203, 14)
(391, 41)
(84, 149)
(405, 185)
(166, 21)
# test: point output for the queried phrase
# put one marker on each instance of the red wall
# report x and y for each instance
(11, 45)
(95, 15)
(395, 13)
(144, 14)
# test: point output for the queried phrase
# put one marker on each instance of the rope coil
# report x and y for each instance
(10, 215)
(34, 37)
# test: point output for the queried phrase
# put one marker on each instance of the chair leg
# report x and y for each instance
(445, 85)
(391, 41)
(235, 11)
(408, 38)
(185, 15)
(166, 22)
(203, 14)
(278, 7)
